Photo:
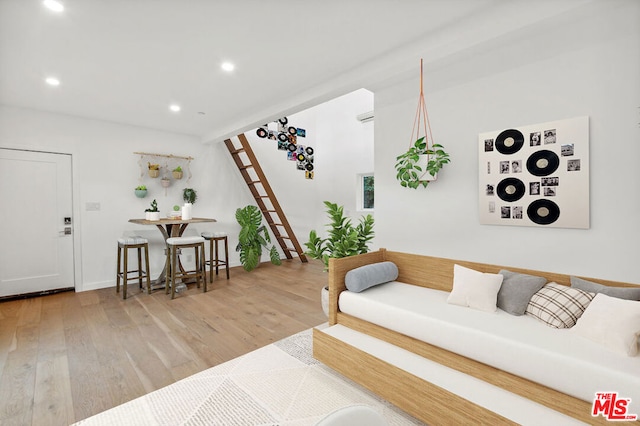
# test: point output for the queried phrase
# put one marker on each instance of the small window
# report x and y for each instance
(365, 191)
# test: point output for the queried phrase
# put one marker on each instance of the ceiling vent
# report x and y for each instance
(367, 116)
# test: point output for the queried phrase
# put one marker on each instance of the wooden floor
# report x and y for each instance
(67, 356)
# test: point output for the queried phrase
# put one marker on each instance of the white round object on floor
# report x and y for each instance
(354, 415)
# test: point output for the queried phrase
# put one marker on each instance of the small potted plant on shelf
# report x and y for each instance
(141, 191)
(154, 170)
(253, 238)
(344, 240)
(420, 164)
(177, 173)
(189, 195)
(153, 213)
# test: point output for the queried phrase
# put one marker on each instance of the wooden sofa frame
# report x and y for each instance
(416, 396)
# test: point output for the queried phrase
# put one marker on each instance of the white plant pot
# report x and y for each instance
(422, 162)
(153, 216)
(324, 300)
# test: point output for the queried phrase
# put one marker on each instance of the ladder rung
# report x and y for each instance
(291, 249)
(285, 237)
(277, 224)
(262, 196)
(236, 151)
(253, 182)
(245, 166)
(270, 211)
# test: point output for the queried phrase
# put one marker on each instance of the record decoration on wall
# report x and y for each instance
(509, 141)
(543, 212)
(510, 189)
(287, 140)
(535, 175)
(543, 163)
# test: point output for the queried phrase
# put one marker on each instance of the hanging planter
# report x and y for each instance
(165, 182)
(420, 164)
(154, 170)
(141, 191)
(177, 173)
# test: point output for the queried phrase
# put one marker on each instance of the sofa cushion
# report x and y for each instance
(520, 345)
(516, 291)
(477, 290)
(558, 306)
(611, 322)
(362, 278)
(628, 293)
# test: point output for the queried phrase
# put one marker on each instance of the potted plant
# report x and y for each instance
(420, 164)
(153, 213)
(177, 173)
(154, 170)
(165, 182)
(253, 238)
(141, 191)
(344, 240)
(189, 195)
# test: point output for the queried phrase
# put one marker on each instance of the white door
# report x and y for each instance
(36, 245)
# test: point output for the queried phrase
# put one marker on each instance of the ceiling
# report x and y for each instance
(126, 61)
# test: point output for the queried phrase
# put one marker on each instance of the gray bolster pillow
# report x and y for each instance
(360, 279)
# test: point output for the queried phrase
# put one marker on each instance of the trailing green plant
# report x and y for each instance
(189, 195)
(409, 173)
(344, 238)
(253, 238)
(154, 207)
(177, 169)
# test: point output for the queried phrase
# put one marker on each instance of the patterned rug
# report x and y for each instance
(279, 384)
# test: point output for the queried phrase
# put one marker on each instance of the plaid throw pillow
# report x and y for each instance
(559, 306)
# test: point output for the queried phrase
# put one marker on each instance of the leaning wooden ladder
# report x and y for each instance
(264, 196)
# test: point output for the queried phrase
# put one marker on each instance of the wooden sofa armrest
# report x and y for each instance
(338, 268)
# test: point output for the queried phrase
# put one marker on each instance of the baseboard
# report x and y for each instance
(95, 285)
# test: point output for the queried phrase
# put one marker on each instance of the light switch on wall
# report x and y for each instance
(92, 207)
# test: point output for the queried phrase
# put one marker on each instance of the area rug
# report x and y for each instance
(279, 384)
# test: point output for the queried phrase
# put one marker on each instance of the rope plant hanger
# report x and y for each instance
(424, 158)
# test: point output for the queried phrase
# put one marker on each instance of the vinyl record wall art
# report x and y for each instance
(287, 138)
(536, 175)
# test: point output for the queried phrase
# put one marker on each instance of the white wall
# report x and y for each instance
(106, 171)
(343, 148)
(590, 66)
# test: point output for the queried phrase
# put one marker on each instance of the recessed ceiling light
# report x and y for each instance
(54, 5)
(174, 108)
(52, 81)
(227, 66)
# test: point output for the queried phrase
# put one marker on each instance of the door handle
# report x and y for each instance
(67, 231)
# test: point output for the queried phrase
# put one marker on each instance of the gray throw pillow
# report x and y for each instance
(517, 290)
(628, 293)
(366, 276)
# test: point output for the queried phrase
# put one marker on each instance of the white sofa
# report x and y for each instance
(549, 372)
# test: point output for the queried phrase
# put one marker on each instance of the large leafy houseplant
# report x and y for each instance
(253, 238)
(409, 171)
(344, 238)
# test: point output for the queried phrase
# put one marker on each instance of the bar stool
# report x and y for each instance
(214, 258)
(175, 245)
(125, 244)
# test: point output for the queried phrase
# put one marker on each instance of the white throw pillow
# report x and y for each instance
(612, 322)
(477, 290)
